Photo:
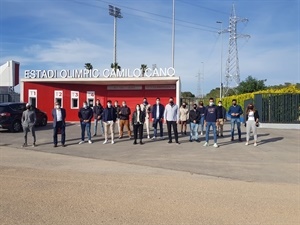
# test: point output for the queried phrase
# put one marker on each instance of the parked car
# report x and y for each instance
(11, 114)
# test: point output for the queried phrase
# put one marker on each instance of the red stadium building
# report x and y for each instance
(43, 88)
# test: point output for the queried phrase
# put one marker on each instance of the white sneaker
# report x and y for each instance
(104, 142)
(90, 142)
(201, 133)
(81, 142)
(246, 143)
(206, 144)
(112, 142)
(255, 144)
(162, 138)
(153, 138)
(216, 145)
(148, 137)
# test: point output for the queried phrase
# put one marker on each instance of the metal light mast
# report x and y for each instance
(232, 73)
(116, 13)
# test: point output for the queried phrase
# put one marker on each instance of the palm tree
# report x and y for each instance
(88, 66)
(115, 66)
(143, 68)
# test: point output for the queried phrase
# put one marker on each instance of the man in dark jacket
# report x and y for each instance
(85, 115)
(194, 117)
(210, 120)
(201, 109)
(157, 114)
(221, 118)
(109, 118)
(124, 119)
(235, 111)
(98, 110)
(138, 120)
(59, 124)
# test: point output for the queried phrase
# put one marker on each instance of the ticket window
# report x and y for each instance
(90, 96)
(32, 97)
(74, 99)
(58, 97)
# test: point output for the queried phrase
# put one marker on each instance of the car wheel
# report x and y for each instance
(44, 121)
(16, 126)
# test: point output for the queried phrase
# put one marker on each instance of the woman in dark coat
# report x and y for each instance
(138, 119)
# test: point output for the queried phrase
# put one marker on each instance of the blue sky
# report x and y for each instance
(66, 34)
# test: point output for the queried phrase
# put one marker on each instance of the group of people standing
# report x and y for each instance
(199, 117)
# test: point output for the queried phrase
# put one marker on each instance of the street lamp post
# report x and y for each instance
(116, 13)
(173, 34)
(221, 74)
(202, 78)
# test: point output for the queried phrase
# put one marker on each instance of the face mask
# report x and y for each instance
(219, 104)
(137, 108)
(195, 107)
(157, 102)
(84, 106)
(234, 103)
(171, 102)
(116, 104)
(108, 105)
(28, 107)
(57, 106)
(251, 107)
(211, 103)
(98, 103)
(183, 106)
(123, 104)
(145, 103)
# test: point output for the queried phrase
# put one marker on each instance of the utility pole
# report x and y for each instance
(232, 64)
(221, 73)
(173, 34)
(116, 13)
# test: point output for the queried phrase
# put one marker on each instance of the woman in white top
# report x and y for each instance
(252, 118)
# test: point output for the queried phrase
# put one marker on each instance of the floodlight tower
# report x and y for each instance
(116, 13)
(232, 73)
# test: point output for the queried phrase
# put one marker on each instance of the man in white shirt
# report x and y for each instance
(171, 116)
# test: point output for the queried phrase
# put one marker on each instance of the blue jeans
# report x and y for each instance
(193, 131)
(236, 121)
(201, 123)
(96, 126)
(85, 126)
(214, 127)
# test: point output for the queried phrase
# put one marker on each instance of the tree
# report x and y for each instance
(251, 85)
(187, 94)
(115, 66)
(143, 68)
(88, 66)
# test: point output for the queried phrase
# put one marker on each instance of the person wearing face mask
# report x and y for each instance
(124, 119)
(251, 119)
(201, 109)
(194, 117)
(98, 110)
(210, 120)
(221, 118)
(171, 116)
(137, 120)
(109, 118)
(157, 114)
(117, 109)
(146, 107)
(183, 117)
(235, 111)
(59, 124)
(85, 115)
(28, 121)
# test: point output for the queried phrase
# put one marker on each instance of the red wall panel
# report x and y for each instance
(45, 96)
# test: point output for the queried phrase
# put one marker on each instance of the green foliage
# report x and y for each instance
(88, 66)
(251, 84)
(187, 94)
(115, 66)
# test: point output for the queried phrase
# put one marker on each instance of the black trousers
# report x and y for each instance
(138, 129)
(173, 124)
(59, 125)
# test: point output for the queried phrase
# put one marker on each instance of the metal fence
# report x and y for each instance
(278, 108)
(9, 97)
